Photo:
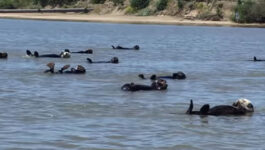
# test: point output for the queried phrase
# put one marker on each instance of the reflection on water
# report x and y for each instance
(41, 111)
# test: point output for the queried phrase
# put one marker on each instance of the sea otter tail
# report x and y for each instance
(189, 111)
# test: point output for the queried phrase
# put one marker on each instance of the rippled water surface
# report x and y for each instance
(78, 112)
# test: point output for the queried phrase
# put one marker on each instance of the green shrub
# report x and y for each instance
(7, 4)
(97, 1)
(191, 5)
(200, 6)
(249, 11)
(219, 11)
(207, 15)
(258, 11)
(181, 4)
(161, 5)
(42, 3)
(139, 4)
(129, 10)
(118, 2)
(13, 4)
(145, 12)
(53, 3)
(204, 15)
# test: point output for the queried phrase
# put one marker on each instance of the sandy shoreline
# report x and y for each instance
(168, 20)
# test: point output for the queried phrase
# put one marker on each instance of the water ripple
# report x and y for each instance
(41, 111)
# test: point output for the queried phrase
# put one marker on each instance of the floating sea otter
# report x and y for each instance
(61, 55)
(113, 60)
(240, 107)
(88, 51)
(3, 55)
(136, 47)
(79, 70)
(179, 75)
(255, 59)
(156, 85)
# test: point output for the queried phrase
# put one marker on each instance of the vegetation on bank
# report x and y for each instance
(249, 11)
(242, 11)
(14, 4)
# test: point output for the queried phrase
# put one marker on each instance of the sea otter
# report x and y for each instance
(3, 55)
(156, 85)
(113, 60)
(240, 107)
(88, 51)
(61, 55)
(79, 70)
(179, 75)
(255, 59)
(136, 47)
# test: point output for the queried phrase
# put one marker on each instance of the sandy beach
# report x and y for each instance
(169, 20)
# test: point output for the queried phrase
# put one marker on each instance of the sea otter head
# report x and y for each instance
(81, 69)
(3, 55)
(136, 47)
(114, 60)
(159, 84)
(65, 55)
(244, 104)
(153, 77)
(179, 75)
(127, 86)
(89, 51)
(67, 50)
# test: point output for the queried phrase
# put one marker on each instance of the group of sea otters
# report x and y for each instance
(240, 107)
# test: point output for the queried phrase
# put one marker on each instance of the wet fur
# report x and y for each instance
(113, 60)
(36, 54)
(3, 55)
(156, 85)
(218, 110)
(79, 70)
(89, 51)
(136, 47)
(179, 75)
(255, 59)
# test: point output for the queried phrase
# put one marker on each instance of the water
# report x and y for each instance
(78, 112)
